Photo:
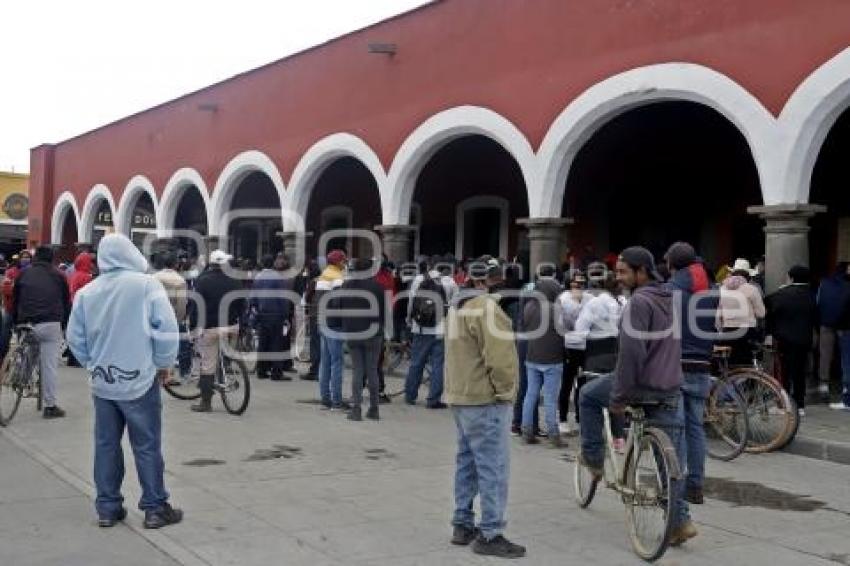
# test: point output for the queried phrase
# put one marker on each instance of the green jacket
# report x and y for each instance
(481, 361)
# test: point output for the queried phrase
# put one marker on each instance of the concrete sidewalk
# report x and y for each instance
(46, 521)
(824, 435)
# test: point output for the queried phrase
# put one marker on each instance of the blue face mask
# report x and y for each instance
(25, 261)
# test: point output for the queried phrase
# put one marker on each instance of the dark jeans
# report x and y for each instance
(596, 396)
(184, 352)
(573, 360)
(5, 334)
(522, 351)
(794, 359)
(426, 348)
(844, 346)
(142, 418)
(695, 390)
(364, 361)
(271, 349)
(315, 346)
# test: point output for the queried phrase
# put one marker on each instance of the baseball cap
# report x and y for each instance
(637, 256)
(681, 255)
(220, 257)
(336, 256)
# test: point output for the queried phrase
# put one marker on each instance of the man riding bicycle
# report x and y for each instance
(648, 373)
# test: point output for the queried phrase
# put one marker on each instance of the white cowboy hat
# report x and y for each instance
(744, 265)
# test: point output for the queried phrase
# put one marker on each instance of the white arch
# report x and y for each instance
(228, 181)
(435, 133)
(807, 119)
(64, 204)
(644, 85)
(314, 162)
(177, 185)
(138, 185)
(97, 194)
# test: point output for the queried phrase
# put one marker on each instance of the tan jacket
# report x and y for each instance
(481, 360)
(741, 305)
(175, 288)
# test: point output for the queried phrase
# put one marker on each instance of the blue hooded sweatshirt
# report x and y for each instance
(122, 327)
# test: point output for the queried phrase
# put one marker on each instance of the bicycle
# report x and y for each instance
(644, 477)
(301, 344)
(726, 420)
(21, 375)
(231, 378)
(397, 357)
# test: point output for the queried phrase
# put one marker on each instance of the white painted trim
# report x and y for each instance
(438, 130)
(175, 188)
(807, 119)
(641, 86)
(483, 201)
(135, 187)
(314, 162)
(228, 181)
(65, 202)
(97, 194)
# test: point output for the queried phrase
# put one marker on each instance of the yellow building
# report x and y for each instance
(14, 207)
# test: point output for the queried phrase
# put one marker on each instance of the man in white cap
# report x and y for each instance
(215, 288)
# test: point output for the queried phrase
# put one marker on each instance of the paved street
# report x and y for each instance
(288, 484)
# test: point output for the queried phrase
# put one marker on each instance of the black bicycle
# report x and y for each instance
(21, 376)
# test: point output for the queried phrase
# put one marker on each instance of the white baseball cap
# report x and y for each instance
(220, 257)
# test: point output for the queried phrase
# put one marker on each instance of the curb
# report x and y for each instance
(819, 449)
(159, 540)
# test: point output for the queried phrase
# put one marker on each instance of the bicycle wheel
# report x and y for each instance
(651, 469)
(394, 377)
(770, 411)
(726, 423)
(301, 348)
(185, 389)
(234, 386)
(585, 485)
(11, 390)
(794, 426)
(247, 344)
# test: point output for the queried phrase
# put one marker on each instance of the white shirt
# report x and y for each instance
(572, 311)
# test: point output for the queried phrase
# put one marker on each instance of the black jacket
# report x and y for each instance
(214, 286)
(41, 295)
(792, 315)
(539, 314)
(349, 302)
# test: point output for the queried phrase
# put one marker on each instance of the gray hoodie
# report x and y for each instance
(650, 353)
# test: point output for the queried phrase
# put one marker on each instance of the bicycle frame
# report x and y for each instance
(618, 481)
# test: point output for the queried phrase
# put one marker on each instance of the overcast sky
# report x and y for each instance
(70, 66)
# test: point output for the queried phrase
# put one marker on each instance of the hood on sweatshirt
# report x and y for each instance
(84, 262)
(659, 296)
(734, 282)
(693, 279)
(116, 251)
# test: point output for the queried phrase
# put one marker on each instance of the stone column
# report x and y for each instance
(786, 238)
(212, 243)
(396, 241)
(546, 240)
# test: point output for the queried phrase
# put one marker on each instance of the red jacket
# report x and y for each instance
(7, 288)
(82, 275)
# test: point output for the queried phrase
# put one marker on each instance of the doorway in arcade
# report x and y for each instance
(255, 226)
(143, 222)
(660, 173)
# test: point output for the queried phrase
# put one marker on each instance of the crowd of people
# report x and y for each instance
(591, 334)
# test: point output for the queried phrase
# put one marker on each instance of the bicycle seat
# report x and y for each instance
(24, 326)
(644, 403)
(593, 374)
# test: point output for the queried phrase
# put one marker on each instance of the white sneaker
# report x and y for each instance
(801, 413)
(823, 389)
(839, 406)
(564, 428)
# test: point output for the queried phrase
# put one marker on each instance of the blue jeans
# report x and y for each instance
(330, 370)
(143, 419)
(425, 348)
(483, 466)
(695, 390)
(844, 345)
(547, 376)
(595, 396)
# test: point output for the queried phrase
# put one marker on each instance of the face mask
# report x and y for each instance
(25, 261)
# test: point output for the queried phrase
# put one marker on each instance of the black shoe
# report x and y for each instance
(355, 414)
(285, 378)
(516, 430)
(105, 523)
(262, 375)
(384, 399)
(463, 536)
(372, 414)
(203, 406)
(497, 546)
(53, 413)
(410, 402)
(327, 405)
(694, 495)
(437, 405)
(162, 517)
(309, 377)
(342, 406)
(277, 377)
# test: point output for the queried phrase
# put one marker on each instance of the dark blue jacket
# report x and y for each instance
(834, 302)
(278, 306)
(696, 296)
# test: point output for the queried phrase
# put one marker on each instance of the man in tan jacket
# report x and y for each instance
(481, 382)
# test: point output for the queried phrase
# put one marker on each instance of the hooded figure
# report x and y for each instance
(122, 327)
(82, 274)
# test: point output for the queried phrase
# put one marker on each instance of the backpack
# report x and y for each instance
(425, 303)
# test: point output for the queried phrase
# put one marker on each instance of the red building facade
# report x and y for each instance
(490, 114)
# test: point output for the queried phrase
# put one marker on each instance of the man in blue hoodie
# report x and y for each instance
(123, 330)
